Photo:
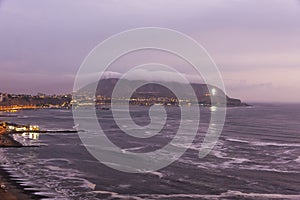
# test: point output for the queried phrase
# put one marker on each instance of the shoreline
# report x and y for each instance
(7, 141)
(11, 190)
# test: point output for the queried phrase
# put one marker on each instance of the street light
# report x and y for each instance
(213, 91)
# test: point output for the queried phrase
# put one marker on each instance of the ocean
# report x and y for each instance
(256, 157)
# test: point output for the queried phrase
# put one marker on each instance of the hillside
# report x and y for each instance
(152, 90)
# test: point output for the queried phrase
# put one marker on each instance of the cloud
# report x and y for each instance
(157, 75)
(144, 75)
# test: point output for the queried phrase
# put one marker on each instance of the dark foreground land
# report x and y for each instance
(11, 190)
(7, 141)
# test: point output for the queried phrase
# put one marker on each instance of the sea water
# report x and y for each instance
(256, 157)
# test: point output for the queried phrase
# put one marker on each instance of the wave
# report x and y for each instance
(228, 194)
(114, 195)
(259, 195)
(48, 177)
(276, 144)
(132, 149)
(224, 161)
(260, 143)
(237, 140)
(269, 169)
(233, 161)
(156, 173)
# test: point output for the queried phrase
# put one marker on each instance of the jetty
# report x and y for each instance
(7, 130)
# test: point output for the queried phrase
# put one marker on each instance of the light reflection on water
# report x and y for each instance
(31, 135)
(27, 138)
(257, 150)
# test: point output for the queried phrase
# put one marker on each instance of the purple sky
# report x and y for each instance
(256, 44)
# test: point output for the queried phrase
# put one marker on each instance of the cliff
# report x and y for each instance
(105, 88)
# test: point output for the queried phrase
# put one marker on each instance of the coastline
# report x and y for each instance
(11, 190)
(7, 141)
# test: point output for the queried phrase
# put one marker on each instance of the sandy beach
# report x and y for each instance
(9, 189)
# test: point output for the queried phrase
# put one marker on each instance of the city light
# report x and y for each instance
(213, 91)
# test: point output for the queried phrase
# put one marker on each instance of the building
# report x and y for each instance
(34, 128)
(21, 128)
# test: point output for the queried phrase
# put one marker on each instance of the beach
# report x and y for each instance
(10, 190)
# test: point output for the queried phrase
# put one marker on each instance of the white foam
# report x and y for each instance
(260, 143)
(276, 144)
(48, 194)
(230, 163)
(265, 168)
(260, 195)
(45, 161)
(103, 192)
(132, 149)
(156, 173)
(237, 140)
(228, 194)
(89, 184)
(220, 154)
(50, 180)
(116, 195)
(124, 186)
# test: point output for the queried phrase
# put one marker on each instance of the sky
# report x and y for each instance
(255, 44)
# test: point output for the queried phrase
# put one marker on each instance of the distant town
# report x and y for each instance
(13, 102)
